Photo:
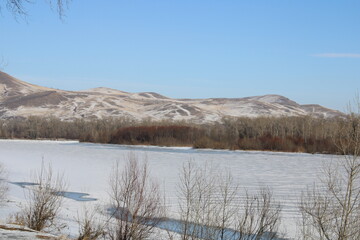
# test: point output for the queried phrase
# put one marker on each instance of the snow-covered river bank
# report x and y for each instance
(86, 168)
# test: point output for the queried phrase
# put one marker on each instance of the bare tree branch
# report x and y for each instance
(210, 208)
(44, 200)
(18, 7)
(333, 210)
(90, 227)
(136, 201)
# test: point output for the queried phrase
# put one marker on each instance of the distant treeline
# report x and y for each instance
(290, 134)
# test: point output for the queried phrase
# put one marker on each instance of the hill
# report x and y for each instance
(22, 99)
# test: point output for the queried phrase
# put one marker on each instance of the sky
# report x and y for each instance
(308, 51)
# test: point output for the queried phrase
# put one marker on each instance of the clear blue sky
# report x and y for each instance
(308, 51)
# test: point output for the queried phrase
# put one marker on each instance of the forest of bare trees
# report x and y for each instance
(291, 134)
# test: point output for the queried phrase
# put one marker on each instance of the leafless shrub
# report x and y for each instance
(226, 205)
(197, 206)
(260, 218)
(332, 211)
(89, 227)
(135, 200)
(44, 200)
(16, 219)
(210, 208)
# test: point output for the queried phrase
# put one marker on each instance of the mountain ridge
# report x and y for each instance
(22, 99)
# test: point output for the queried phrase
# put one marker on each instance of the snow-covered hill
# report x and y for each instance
(21, 99)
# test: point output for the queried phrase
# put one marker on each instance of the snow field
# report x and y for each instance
(86, 168)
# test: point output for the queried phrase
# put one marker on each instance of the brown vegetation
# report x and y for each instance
(90, 227)
(290, 134)
(156, 135)
(44, 201)
(331, 211)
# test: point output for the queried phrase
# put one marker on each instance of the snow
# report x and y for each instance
(11, 231)
(86, 168)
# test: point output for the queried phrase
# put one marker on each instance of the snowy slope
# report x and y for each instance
(21, 99)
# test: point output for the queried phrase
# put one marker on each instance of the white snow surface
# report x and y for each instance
(87, 167)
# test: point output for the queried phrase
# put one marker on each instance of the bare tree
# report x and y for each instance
(226, 205)
(332, 211)
(197, 202)
(44, 200)
(211, 208)
(186, 194)
(259, 217)
(136, 201)
(17, 7)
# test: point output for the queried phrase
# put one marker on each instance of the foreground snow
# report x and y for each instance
(11, 232)
(86, 168)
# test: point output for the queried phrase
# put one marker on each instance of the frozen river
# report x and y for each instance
(86, 168)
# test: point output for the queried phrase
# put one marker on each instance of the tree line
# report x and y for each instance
(290, 134)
